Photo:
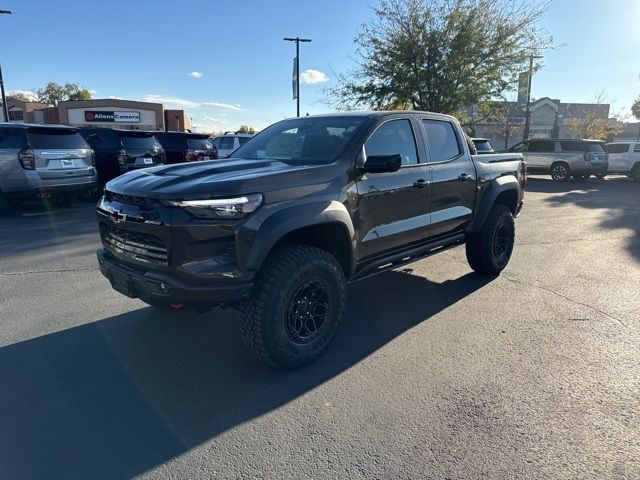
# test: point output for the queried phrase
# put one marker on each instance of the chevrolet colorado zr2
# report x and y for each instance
(302, 209)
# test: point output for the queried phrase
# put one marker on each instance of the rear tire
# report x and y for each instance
(296, 306)
(63, 199)
(601, 176)
(560, 172)
(5, 206)
(489, 250)
(635, 172)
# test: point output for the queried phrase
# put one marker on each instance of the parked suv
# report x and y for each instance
(306, 206)
(624, 157)
(229, 142)
(182, 147)
(119, 151)
(52, 162)
(564, 158)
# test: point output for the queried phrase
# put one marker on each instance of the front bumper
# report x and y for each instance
(167, 287)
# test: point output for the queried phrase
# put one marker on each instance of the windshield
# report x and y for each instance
(195, 143)
(302, 140)
(139, 141)
(56, 138)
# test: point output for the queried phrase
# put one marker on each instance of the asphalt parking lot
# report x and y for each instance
(435, 373)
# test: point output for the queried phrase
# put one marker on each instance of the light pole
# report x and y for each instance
(297, 40)
(5, 109)
(527, 120)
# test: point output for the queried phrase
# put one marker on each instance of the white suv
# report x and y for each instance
(624, 157)
(230, 141)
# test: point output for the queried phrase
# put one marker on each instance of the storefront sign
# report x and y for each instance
(97, 116)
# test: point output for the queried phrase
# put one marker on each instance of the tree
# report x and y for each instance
(635, 110)
(440, 55)
(594, 121)
(246, 129)
(505, 118)
(55, 93)
(23, 97)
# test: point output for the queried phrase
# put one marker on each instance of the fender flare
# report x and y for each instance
(488, 199)
(255, 245)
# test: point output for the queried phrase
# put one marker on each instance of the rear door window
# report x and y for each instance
(11, 138)
(542, 146)
(443, 141)
(572, 146)
(521, 147)
(52, 138)
(243, 140)
(391, 138)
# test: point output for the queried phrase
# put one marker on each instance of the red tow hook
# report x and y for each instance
(176, 306)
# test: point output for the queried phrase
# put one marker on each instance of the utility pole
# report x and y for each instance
(527, 121)
(5, 109)
(297, 69)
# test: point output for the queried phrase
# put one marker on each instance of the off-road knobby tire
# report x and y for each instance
(480, 246)
(264, 315)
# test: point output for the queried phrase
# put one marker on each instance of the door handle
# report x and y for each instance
(420, 183)
(465, 176)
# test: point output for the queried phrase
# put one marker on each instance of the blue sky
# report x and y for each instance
(143, 49)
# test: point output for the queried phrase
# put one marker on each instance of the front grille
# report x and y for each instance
(133, 200)
(136, 246)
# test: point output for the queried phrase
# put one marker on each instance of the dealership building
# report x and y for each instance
(108, 112)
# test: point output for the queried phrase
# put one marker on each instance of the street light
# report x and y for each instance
(297, 68)
(5, 110)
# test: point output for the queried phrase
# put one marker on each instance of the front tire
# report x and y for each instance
(635, 172)
(600, 175)
(296, 306)
(489, 250)
(560, 172)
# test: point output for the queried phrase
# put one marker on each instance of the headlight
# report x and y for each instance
(230, 208)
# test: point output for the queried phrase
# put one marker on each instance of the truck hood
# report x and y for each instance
(218, 178)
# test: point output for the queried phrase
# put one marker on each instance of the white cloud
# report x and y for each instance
(313, 76)
(92, 91)
(170, 101)
(30, 94)
(114, 97)
(195, 74)
(223, 105)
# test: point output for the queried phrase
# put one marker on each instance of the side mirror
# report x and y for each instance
(383, 163)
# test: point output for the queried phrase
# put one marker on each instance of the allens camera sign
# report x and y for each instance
(99, 116)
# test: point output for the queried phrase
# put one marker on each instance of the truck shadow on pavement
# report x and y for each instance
(618, 195)
(117, 397)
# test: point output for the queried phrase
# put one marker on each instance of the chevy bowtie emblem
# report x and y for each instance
(117, 217)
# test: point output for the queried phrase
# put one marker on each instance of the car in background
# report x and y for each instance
(624, 157)
(182, 147)
(120, 151)
(226, 144)
(564, 158)
(482, 145)
(50, 162)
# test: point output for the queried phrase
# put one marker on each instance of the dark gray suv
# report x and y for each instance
(52, 162)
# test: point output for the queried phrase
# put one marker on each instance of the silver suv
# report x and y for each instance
(229, 142)
(52, 162)
(564, 158)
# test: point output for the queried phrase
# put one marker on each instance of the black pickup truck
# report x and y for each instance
(303, 208)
